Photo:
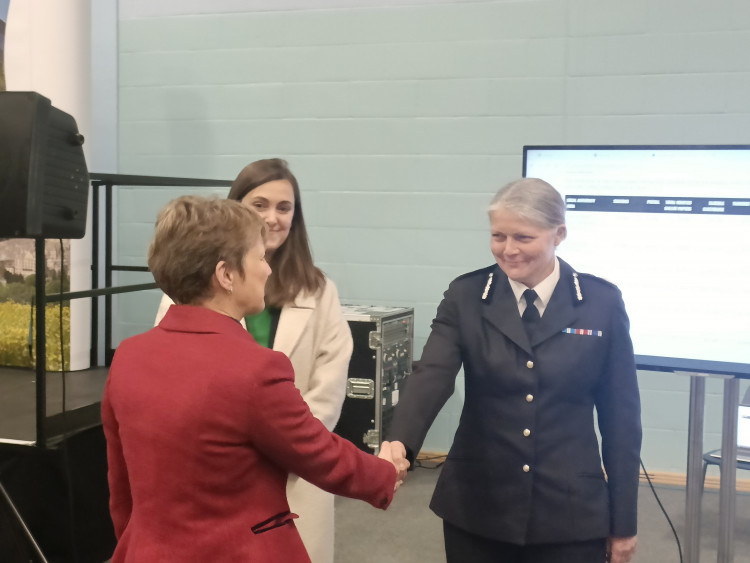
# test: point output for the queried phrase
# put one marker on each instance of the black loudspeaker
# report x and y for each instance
(44, 182)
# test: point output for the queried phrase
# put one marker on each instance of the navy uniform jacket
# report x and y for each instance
(524, 466)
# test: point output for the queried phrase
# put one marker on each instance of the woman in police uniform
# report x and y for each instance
(523, 481)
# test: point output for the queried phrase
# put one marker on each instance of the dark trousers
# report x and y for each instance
(462, 546)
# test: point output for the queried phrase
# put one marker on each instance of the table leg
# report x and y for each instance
(694, 469)
(728, 483)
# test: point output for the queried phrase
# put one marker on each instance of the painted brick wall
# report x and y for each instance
(401, 121)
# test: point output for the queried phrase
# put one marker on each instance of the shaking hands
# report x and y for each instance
(395, 452)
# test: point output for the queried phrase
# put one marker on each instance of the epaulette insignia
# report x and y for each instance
(487, 288)
(577, 286)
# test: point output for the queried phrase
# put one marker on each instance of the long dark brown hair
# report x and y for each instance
(292, 265)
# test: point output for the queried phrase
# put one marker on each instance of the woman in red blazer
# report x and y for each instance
(203, 424)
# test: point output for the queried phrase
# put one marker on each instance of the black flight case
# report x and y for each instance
(382, 359)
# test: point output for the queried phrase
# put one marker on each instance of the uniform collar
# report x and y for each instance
(544, 289)
(501, 310)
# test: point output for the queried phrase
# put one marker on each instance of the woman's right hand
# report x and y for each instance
(395, 452)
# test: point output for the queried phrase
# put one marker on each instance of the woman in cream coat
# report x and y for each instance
(303, 320)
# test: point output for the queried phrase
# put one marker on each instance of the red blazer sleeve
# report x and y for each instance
(283, 429)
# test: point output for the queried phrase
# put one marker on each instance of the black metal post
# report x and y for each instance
(41, 343)
(108, 274)
(95, 273)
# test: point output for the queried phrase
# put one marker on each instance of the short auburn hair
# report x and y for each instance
(192, 235)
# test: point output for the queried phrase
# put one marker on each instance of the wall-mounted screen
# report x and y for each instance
(670, 226)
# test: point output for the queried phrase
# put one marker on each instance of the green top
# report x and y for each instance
(260, 327)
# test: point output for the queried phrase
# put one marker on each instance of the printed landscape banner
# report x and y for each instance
(18, 280)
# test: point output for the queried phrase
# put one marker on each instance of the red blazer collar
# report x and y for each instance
(191, 318)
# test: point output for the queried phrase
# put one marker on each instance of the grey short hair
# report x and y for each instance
(532, 199)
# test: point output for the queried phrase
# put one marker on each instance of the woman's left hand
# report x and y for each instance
(621, 550)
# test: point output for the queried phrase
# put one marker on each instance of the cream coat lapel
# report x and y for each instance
(292, 323)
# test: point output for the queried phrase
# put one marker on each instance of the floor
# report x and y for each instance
(408, 532)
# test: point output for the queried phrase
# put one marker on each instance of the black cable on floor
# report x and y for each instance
(653, 490)
(30, 340)
(438, 461)
(62, 340)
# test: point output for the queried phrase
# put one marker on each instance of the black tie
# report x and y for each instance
(531, 314)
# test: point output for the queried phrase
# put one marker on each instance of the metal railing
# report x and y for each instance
(51, 427)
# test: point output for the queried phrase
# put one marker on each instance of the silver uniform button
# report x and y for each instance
(527, 432)
(529, 364)
(529, 398)
(526, 468)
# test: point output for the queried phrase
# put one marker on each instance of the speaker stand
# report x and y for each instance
(22, 524)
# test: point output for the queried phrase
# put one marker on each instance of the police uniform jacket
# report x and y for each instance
(524, 466)
(203, 426)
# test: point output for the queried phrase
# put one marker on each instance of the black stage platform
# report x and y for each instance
(18, 397)
(59, 490)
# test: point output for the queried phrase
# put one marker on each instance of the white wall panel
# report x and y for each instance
(401, 118)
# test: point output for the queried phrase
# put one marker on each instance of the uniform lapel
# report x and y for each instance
(501, 311)
(292, 322)
(560, 312)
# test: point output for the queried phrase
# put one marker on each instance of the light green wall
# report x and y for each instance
(400, 123)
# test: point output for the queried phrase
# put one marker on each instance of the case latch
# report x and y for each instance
(360, 388)
(376, 340)
(372, 439)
